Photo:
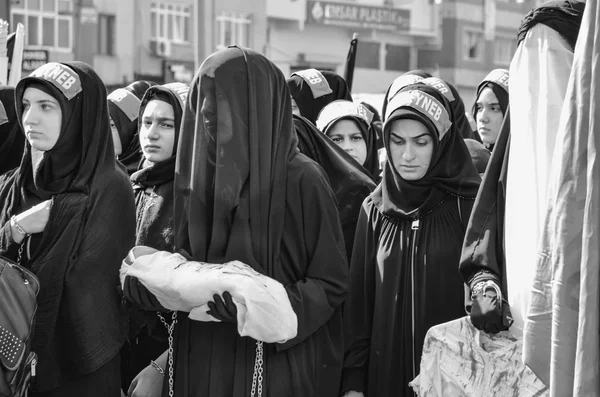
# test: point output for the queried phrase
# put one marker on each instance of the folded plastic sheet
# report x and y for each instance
(460, 361)
(264, 311)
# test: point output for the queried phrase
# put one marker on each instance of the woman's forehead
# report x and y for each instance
(487, 96)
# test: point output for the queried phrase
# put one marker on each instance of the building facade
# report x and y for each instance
(128, 40)
(478, 36)
(317, 34)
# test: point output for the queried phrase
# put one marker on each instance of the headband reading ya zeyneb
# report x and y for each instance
(425, 104)
(401, 82)
(441, 86)
(316, 81)
(341, 108)
(497, 76)
(127, 101)
(61, 76)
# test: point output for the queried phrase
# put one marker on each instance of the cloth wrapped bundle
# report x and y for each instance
(264, 311)
(459, 360)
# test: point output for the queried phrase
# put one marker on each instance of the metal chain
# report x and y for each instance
(20, 253)
(257, 376)
(170, 329)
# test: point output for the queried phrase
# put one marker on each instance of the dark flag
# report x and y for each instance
(350, 61)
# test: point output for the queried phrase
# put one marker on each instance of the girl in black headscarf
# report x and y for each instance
(349, 126)
(490, 106)
(69, 206)
(12, 140)
(312, 90)
(159, 121)
(242, 191)
(123, 108)
(403, 276)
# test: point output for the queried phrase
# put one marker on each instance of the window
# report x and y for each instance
(48, 23)
(233, 29)
(170, 22)
(504, 50)
(367, 55)
(473, 45)
(397, 58)
(106, 34)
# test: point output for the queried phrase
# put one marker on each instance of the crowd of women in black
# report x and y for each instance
(360, 216)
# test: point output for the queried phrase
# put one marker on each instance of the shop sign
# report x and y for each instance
(359, 16)
(33, 59)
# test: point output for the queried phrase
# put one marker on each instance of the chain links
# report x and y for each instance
(257, 376)
(20, 253)
(170, 329)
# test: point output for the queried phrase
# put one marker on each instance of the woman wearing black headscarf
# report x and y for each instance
(123, 108)
(242, 191)
(312, 90)
(159, 121)
(403, 276)
(69, 206)
(490, 106)
(12, 140)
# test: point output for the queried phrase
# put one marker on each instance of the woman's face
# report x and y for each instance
(411, 148)
(42, 119)
(295, 108)
(215, 111)
(157, 131)
(346, 134)
(116, 138)
(489, 116)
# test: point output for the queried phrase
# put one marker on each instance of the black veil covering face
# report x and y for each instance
(12, 139)
(78, 327)
(309, 106)
(244, 192)
(123, 107)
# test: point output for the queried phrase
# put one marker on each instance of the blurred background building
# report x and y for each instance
(166, 40)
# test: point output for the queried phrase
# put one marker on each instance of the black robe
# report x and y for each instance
(246, 193)
(80, 325)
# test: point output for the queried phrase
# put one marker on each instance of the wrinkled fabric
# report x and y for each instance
(479, 154)
(79, 322)
(12, 139)
(264, 311)
(561, 339)
(308, 105)
(458, 360)
(350, 182)
(539, 76)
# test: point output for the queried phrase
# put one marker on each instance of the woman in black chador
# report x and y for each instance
(244, 192)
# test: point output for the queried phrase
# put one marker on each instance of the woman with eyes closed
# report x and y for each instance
(403, 275)
(159, 124)
(490, 106)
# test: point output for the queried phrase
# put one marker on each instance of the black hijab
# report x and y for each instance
(218, 184)
(12, 139)
(175, 94)
(451, 170)
(564, 16)
(309, 106)
(123, 107)
(332, 113)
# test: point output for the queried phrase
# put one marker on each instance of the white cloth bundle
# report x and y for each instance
(264, 311)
